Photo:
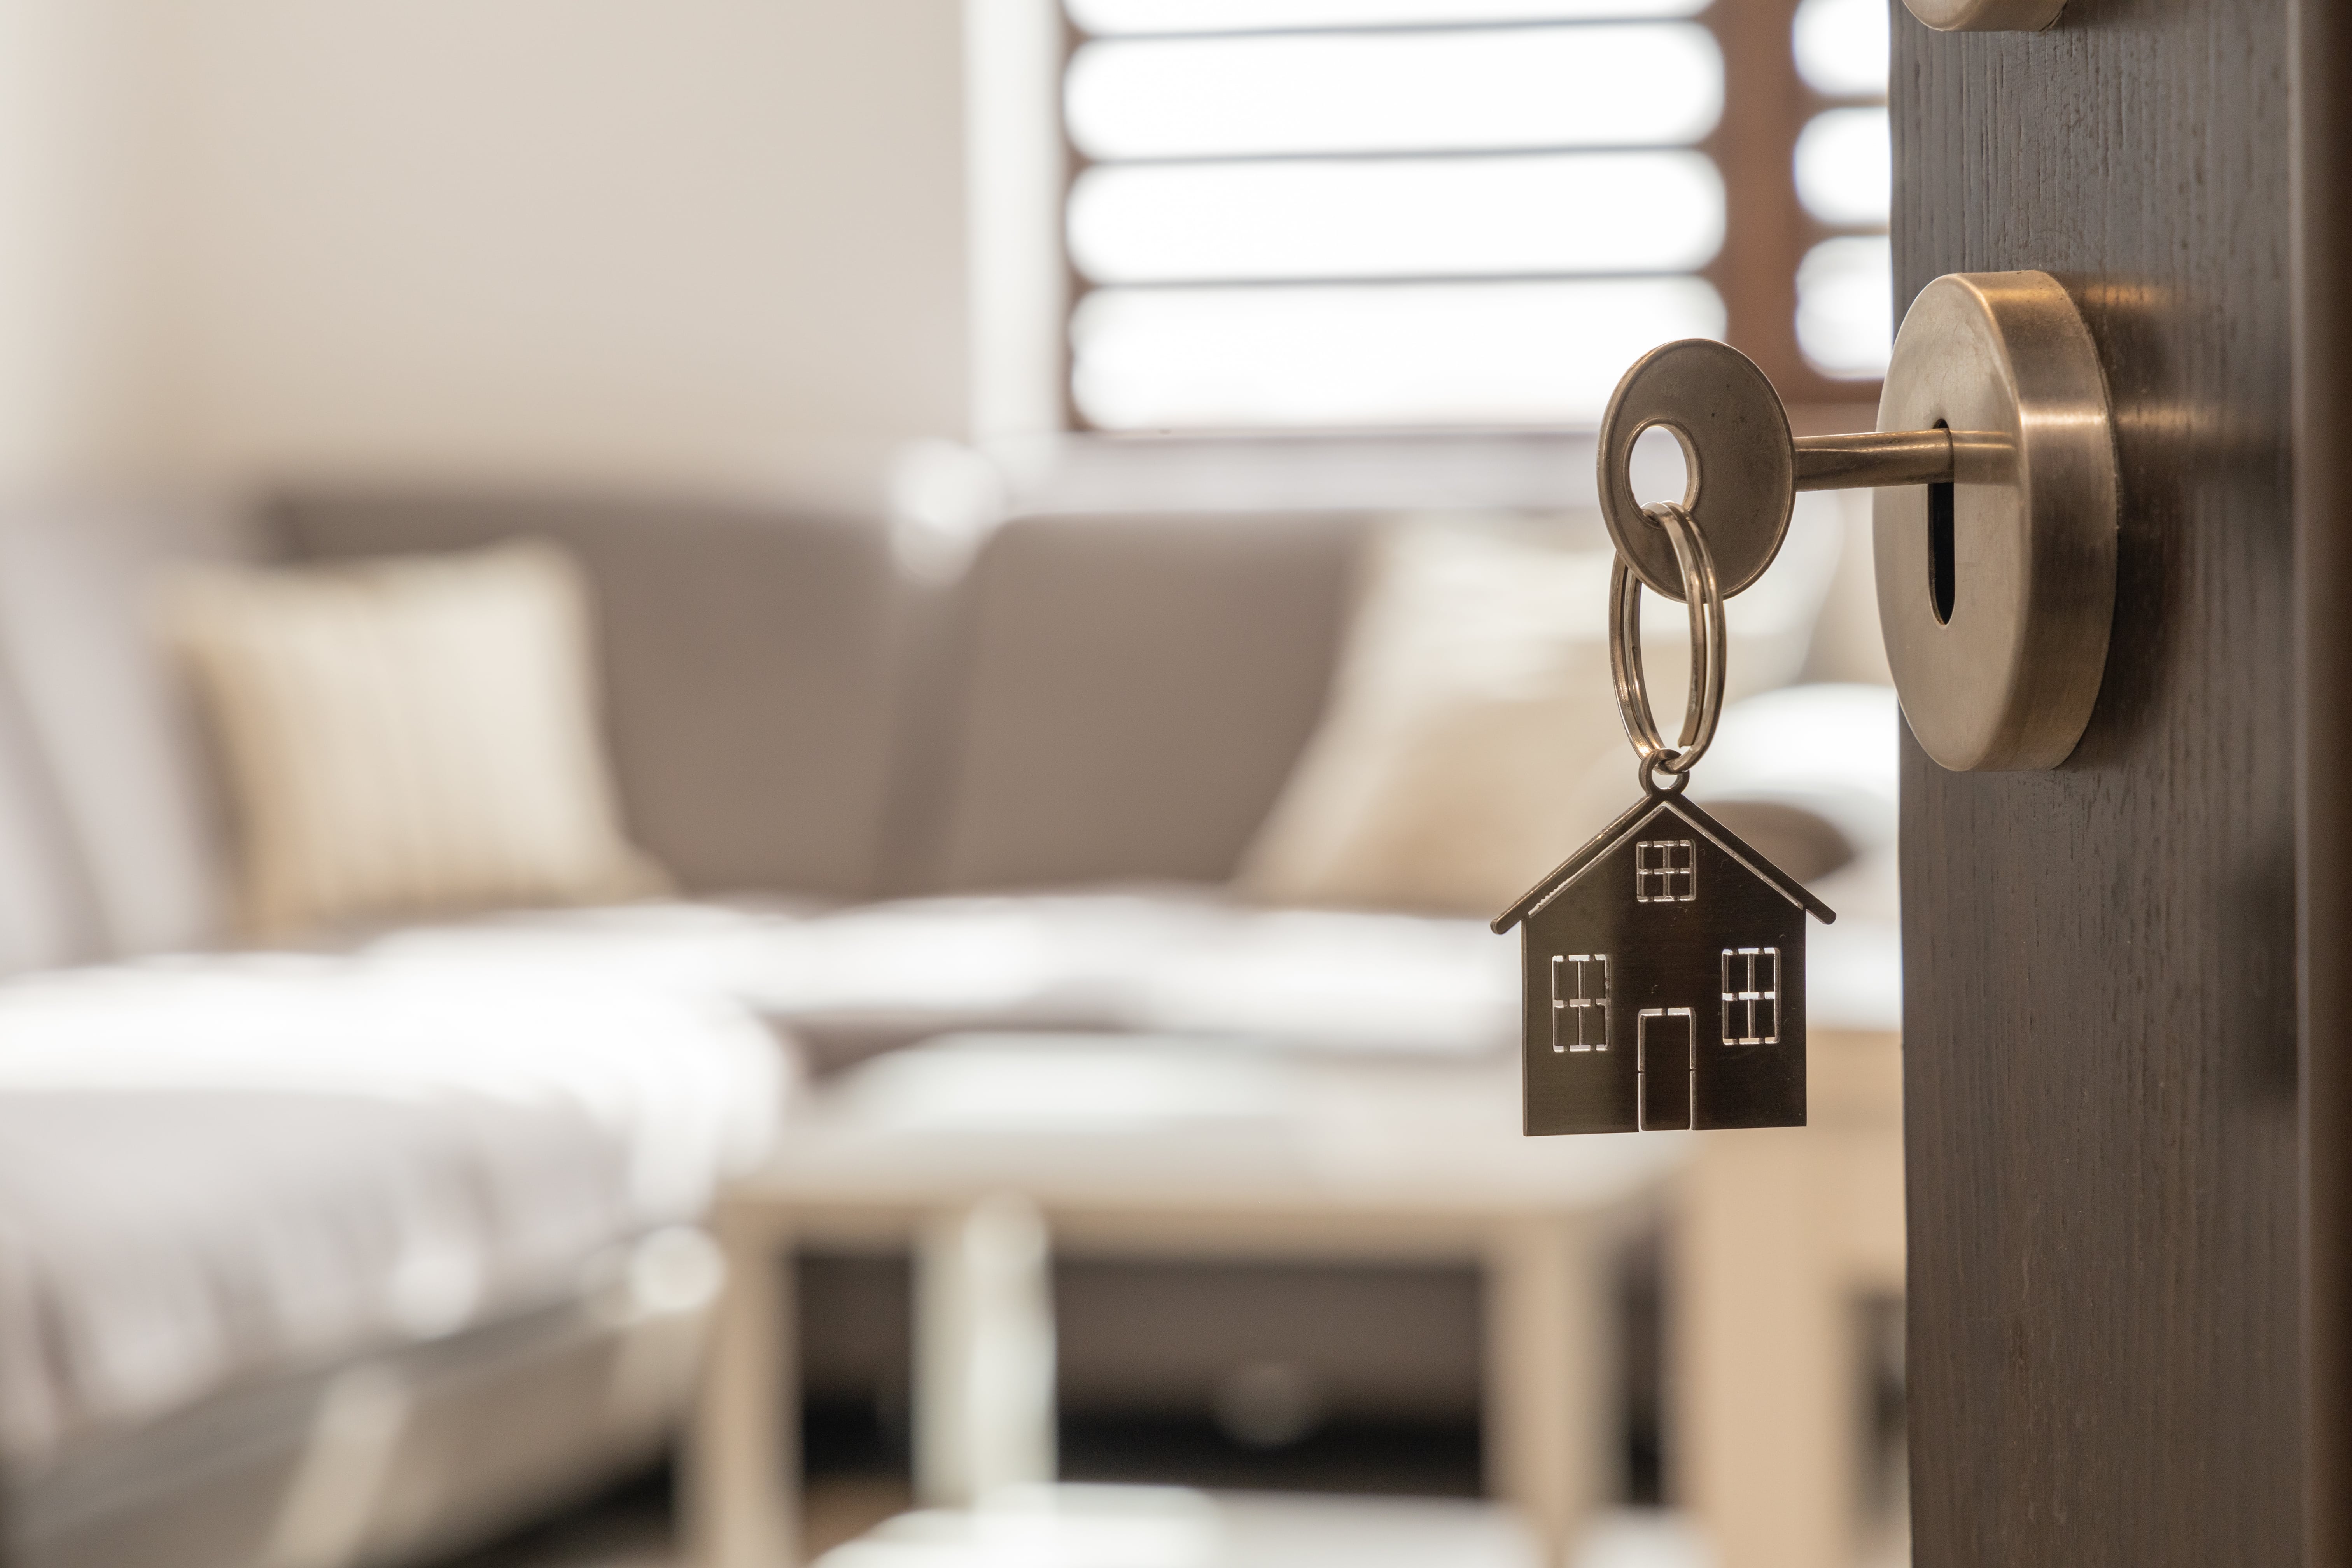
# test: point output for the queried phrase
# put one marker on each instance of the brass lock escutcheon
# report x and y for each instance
(1995, 518)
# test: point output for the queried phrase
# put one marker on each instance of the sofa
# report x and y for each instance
(809, 720)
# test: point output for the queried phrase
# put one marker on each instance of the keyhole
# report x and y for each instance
(1943, 560)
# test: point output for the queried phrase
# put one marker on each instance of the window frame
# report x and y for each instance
(1766, 104)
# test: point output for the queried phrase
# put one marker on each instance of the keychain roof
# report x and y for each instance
(1642, 812)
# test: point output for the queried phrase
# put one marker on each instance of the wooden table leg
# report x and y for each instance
(1550, 1375)
(1761, 1356)
(983, 1391)
(741, 1491)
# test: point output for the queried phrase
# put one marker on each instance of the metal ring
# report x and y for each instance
(1649, 785)
(1705, 705)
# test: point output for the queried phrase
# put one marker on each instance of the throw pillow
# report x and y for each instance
(406, 736)
(1473, 704)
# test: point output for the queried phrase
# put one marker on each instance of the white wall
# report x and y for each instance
(645, 239)
(78, 382)
(714, 242)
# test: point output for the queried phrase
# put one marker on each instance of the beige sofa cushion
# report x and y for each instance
(1473, 739)
(749, 659)
(406, 737)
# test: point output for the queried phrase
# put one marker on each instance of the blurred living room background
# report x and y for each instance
(753, 754)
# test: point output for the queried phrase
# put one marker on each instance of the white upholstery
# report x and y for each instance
(107, 714)
(45, 918)
(214, 1169)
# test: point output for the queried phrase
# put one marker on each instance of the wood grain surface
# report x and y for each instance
(2322, 62)
(2100, 1011)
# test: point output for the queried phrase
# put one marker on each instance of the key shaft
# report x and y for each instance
(1869, 460)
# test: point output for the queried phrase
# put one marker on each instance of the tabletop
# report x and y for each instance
(1085, 1123)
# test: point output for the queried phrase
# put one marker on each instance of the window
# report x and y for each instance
(1579, 1002)
(1332, 214)
(1666, 871)
(1845, 179)
(1751, 995)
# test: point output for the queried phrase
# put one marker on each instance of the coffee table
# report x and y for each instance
(986, 1154)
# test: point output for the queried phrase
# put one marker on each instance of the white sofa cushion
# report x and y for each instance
(223, 1167)
(1169, 960)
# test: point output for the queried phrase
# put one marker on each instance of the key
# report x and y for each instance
(1746, 469)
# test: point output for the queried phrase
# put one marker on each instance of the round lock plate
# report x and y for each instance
(1996, 593)
(1735, 440)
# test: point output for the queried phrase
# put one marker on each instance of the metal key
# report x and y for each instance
(1746, 469)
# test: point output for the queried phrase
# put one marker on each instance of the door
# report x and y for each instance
(2103, 1015)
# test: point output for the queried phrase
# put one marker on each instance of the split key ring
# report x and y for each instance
(1704, 706)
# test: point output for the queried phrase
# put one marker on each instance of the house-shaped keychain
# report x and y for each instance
(1665, 980)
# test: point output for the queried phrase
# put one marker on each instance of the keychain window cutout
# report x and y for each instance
(1751, 995)
(1579, 1002)
(1666, 871)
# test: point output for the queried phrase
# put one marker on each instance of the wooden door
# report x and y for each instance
(2103, 1016)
